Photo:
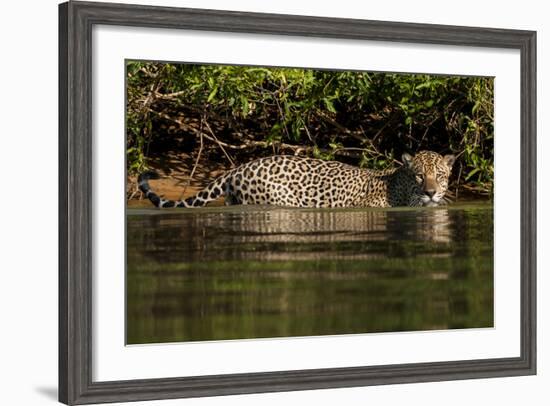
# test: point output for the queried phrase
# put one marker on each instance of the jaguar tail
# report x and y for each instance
(211, 192)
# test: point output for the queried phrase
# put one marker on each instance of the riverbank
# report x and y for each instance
(182, 176)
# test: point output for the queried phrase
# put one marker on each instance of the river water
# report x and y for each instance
(256, 272)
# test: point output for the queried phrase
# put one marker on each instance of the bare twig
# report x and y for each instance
(381, 129)
(194, 167)
(195, 164)
(428, 126)
(458, 182)
(373, 150)
(148, 73)
(249, 144)
(135, 191)
(170, 96)
(253, 144)
(308, 133)
(218, 142)
(190, 128)
(333, 122)
(283, 117)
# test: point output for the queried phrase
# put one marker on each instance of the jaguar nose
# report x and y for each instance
(430, 193)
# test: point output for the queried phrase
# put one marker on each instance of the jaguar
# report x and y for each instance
(292, 181)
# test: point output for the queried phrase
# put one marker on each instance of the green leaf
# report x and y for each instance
(329, 105)
(244, 103)
(472, 173)
(212, 94)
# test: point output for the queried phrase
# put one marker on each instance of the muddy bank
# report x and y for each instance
(176, 183)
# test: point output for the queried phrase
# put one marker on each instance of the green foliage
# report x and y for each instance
(368, 119)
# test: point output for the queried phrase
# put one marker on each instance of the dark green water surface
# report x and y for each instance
(251, 272)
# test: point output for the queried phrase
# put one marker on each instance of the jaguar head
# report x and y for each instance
(431, 173)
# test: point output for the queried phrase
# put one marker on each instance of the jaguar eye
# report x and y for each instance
(419, 178)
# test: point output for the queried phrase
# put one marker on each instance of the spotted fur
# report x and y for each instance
(305, 182)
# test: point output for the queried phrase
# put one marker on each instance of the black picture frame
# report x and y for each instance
(76, 20)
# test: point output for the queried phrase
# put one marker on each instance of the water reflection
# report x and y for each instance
(268, 272)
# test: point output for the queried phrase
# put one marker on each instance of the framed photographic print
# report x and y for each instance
(257, 202)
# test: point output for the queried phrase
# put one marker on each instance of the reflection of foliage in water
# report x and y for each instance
(223, 274)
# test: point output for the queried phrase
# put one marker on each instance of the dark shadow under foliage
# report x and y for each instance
(233, 114)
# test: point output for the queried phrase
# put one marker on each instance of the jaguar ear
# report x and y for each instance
(449, 160)
(407, 159)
